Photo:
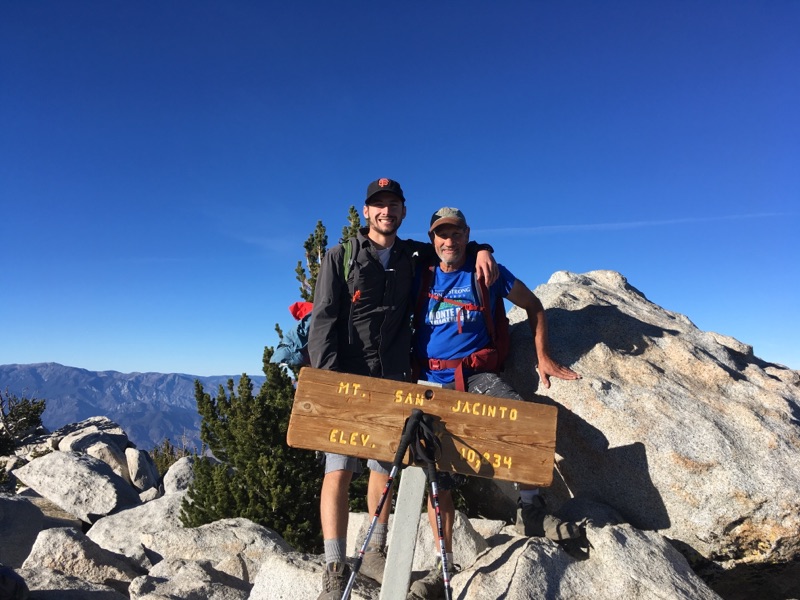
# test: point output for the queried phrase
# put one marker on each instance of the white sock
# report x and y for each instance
(527, 496)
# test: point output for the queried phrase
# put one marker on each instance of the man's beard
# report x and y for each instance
(452, 259)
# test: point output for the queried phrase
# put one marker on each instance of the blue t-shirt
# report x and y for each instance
(438, 336)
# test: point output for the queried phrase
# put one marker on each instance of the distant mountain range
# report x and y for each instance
(148, 406)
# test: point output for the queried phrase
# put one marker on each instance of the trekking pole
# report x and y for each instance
(426, 450)
(409, 432)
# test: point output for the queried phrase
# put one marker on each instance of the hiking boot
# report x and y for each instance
(533, 520)
(334, 581)
(577, 548)
(373, 563)
(430, 587)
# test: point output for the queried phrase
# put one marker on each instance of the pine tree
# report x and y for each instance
(315, 248)
(353, 224)
(19, 417)
(167, 454)
(258, 477)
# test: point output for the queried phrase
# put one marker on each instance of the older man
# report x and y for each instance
(451, 328)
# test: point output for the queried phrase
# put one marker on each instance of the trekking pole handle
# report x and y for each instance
(409, 431)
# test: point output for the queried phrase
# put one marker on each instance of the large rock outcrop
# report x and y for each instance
(124, 532)
(237, 547)
(625, 563)
(176, 578)
(682, 431)
(46, 584)
(82, 485)
(72, 553)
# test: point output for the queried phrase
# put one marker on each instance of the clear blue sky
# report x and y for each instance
(161, 163)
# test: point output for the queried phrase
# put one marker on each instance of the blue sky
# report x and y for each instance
(161, 163)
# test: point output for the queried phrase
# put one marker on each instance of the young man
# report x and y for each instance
(448, 332)
(362, 327)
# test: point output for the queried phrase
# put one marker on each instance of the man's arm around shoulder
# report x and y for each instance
(485, 265)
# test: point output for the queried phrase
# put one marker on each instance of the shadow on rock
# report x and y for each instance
(581, 330)
(618, 477)
(775, 581)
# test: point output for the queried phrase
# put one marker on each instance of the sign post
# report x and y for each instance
(400, 554)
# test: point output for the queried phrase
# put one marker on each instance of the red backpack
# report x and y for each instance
(492, 357)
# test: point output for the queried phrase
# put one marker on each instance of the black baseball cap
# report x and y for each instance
(384, 185)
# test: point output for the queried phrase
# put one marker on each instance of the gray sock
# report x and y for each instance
(335, 550)
(378, 538)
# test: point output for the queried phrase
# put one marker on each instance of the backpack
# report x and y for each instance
(349, 265)
(292, 350)
(490, 358)
(349, 260)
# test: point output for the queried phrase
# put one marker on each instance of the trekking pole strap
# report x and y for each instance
(427, 448)
(410, 431)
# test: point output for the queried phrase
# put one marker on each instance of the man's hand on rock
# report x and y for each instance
(549, 368)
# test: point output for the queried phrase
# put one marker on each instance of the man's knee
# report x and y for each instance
(337, 479)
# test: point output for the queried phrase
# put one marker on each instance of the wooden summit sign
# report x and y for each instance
(481, 435)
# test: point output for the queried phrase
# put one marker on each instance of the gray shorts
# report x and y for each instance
(340, 462)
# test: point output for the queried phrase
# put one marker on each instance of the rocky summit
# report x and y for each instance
(678, 448)
(681, 431)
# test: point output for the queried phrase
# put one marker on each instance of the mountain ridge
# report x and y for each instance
(150, 406)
